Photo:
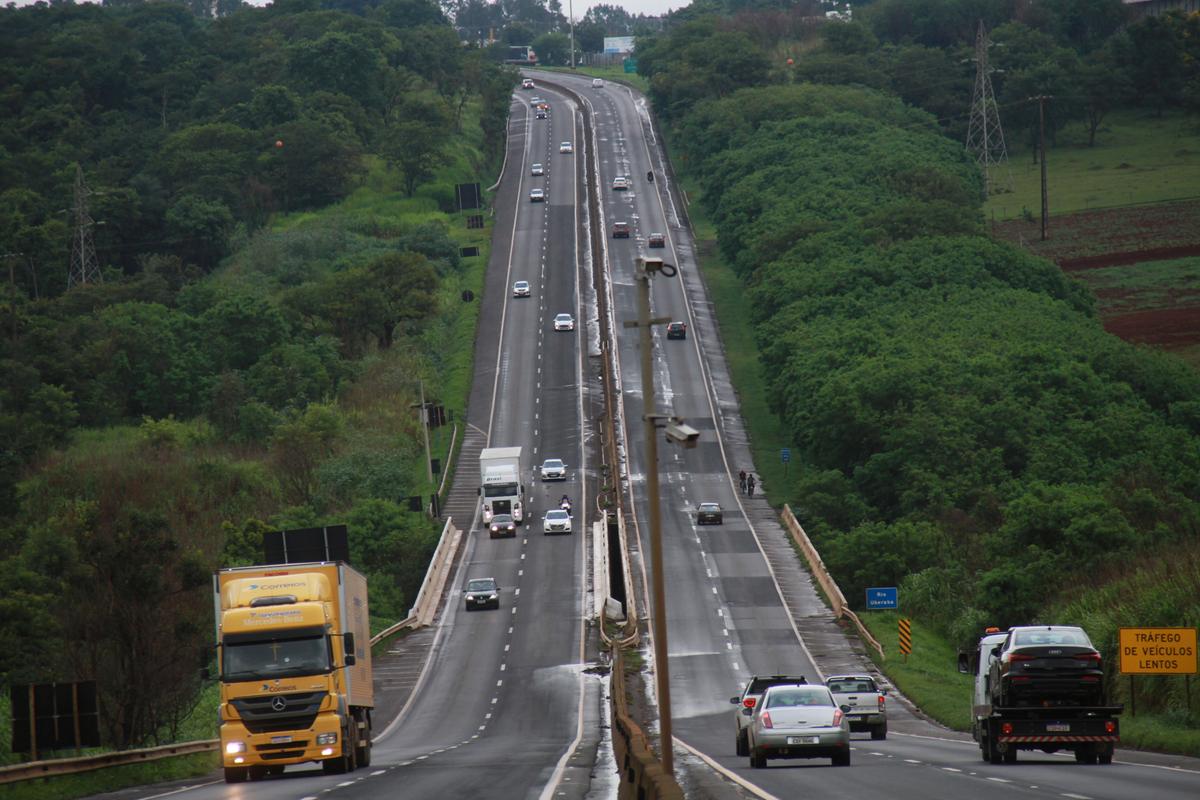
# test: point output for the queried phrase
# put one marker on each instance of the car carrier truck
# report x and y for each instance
(294, 656)
(501, 470)
(1033, 690)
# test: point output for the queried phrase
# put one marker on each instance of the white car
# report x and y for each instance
(556, 521)
(597, 83)
(521, 289)
(536, 101)
(564, 322)
(620, 183)
(553, 469)
(537, 196)
(565, 147)
(866, 701)
(527, 83)
(537, 170)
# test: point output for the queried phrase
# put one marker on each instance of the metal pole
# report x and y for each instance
(425, 430)
(571, 13)
(1042, 149)
(33, 743)
(661, 669)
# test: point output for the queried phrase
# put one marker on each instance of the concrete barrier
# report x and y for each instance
(642, 774)
(817, 567)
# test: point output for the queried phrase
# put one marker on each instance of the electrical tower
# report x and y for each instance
(84, 266)
(985, 137)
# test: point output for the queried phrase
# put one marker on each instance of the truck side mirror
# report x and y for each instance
(348, 644)
(350, 659)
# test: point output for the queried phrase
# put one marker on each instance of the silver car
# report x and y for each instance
(553, 469)
(556, 521)
(798, 722)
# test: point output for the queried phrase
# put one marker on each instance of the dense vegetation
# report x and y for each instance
(273, 190)
(966, 429)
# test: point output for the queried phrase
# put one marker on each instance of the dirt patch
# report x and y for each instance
(1169, 328)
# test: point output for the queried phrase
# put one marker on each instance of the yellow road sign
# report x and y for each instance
(1158, 651)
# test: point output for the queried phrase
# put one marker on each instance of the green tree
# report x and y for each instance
(415, 146)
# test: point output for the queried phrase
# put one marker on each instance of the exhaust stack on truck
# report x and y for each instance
(294, 654)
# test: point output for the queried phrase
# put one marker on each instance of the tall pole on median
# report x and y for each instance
(661, 669)
(425, 430)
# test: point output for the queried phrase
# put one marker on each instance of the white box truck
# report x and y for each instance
(501, 482)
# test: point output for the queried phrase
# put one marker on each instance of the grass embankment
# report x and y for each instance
(1137, 159)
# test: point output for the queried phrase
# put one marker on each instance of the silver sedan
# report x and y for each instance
(793, 721)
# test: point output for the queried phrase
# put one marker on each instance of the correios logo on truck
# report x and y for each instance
(288, 585)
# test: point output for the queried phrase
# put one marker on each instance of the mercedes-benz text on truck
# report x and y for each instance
(294, 649)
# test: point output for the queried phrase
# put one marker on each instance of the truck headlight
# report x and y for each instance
(233, 748)
(327, 738)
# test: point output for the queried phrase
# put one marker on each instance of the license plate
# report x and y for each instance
(804, 740)
(1058, 727)
(280, 739)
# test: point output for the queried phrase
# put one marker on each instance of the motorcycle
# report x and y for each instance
(565, 505)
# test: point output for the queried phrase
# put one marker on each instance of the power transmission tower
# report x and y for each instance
(84, 266)
(985, 137)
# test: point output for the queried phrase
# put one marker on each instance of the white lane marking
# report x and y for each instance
(952, 769)
(503, 667)
(378, 772)
(911, 761)
(999, 780)
(506, 647)
(500, 682)
(1076, 796)
(345, 783)
(197, 786)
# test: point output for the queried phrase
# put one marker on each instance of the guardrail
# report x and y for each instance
(828, 584)
(66, 766)
(420, 615)
(642, 774)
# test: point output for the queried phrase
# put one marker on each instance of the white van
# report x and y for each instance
(597, 83)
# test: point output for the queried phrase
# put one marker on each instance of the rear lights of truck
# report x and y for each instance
(1110, 726)
(882, 701)
(1006, 729)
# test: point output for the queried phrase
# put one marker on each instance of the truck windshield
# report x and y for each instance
(262, 659)
(500, 490)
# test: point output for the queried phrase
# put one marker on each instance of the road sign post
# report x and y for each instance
(785, 455)
(1157, 651)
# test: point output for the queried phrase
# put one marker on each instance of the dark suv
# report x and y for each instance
(676, 330)
(620, 230)
(1046, 665)
(750, 697)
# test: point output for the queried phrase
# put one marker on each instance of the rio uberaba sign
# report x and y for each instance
(1158, 651)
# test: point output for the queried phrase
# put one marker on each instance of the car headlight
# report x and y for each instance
(327, 738)
(493, 596)
(233, 748)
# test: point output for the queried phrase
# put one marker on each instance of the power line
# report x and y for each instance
(985, 137)
(84, 266)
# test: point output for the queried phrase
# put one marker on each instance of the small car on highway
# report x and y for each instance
(797, 722)
(710, 514)
(564, 322)
(867, 702)
(482, 593)
(537, 170)
(502, 525)
(656, 240)
(537, 195)
(521, 289)
(556, 521)
(527, 83)
(553, 469)
(620, 183)
(541, 113)
(676, 330)
(620, 230)
(597, 83)
(565, 147)
(535, 101)
(749, 699)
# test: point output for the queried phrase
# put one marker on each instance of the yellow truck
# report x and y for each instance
(294, 654)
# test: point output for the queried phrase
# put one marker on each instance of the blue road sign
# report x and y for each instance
(883, 597)
(785, 455)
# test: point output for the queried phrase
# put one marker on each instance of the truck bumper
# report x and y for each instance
(241, 748)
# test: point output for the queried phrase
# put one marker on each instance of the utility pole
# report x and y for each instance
(571, 13)
(662, 680)
(425, 430)
(1041, 100)
(985, 137)
(84, 266)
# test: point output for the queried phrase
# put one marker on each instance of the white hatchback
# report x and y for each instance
(564, 322)
(565, 147)
(537, 170)
(521, 289)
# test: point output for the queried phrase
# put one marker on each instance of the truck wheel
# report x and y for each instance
(879, 732)
(742, 748)
(994, 756)
(364, 740)
(235, 774)
(1105, 757)
(1010, 755)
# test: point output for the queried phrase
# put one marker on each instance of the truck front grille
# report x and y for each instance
(297, 711)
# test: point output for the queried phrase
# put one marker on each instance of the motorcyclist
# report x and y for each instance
(565, 504)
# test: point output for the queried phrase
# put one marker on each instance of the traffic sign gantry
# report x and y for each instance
(905, 637)
(1158, 651)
